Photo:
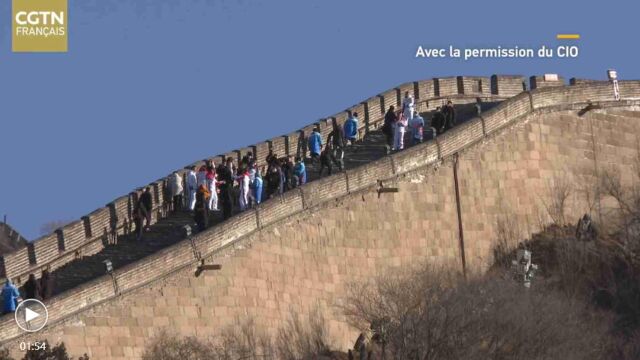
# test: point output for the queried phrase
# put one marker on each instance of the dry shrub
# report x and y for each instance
(166, 346)
(559, 191)
(430, 314)
(296, 340)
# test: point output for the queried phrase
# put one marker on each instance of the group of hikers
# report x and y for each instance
(397, 123)
(229, 185)
(242, 185)
(39, 289)
(222, 187)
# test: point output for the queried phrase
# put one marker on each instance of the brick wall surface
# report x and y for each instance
(16, 263)
(99, 222)
(317, 192)
(504, 175)
(73, 235)
(474, 85)
(446, 86)
(507, 85)
(46, 249)
(426, 89)
(279, 146)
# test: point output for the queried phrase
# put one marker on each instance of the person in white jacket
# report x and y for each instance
(244, 182)
(192, 188)
(175, 190)
(212, 186)
(408, 106)
(400, 128)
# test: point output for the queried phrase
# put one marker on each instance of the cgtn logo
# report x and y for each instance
(40, 23)
(40, 26)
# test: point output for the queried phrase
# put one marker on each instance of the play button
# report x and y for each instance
(31, 315)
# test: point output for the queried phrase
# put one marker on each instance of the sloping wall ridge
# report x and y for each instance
(192, 250)
(84, 237)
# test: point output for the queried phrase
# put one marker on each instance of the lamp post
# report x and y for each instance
(613, 77)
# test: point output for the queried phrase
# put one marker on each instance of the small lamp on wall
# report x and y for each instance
(108, 266)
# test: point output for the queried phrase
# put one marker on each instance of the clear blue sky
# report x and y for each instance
(151, 85)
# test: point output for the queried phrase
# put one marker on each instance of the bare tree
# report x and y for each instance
(558, 191)
(432, 314)
(51, 226)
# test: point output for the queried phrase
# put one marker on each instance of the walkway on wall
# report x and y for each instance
(169, 230)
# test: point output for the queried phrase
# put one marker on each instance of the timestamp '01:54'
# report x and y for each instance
(33, 346)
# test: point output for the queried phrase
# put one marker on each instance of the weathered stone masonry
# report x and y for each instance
(299, 251)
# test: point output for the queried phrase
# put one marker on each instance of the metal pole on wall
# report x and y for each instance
(613, 77)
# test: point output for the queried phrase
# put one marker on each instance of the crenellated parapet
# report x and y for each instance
(88, 235)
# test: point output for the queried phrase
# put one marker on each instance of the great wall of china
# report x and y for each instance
(298, 251)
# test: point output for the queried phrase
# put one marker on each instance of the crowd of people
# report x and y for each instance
(231, 185)
(398, 123)
(39, 289)
(227, 186)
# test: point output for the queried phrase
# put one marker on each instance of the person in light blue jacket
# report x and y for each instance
(10, 297)
(351, 128)
(299, 172)
(315, 144)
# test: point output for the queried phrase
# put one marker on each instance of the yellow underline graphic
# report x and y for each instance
(568, 36)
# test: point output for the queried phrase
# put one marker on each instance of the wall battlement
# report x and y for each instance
(187, 253)
(85, 236)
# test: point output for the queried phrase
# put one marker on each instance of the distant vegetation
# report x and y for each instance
(51, 226)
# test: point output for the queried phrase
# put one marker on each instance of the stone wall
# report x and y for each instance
(299, 251)
(86, 236)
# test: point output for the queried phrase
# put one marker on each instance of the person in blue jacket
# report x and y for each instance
(315, 144)
(10, 297)
(351, 128)
(299, 172)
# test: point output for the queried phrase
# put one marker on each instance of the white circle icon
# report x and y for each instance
(31, 315)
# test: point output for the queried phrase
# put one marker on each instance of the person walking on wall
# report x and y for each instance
(256, 188)
(10, 297)
(46, 285)
(175, 190)
(388, 128)
(287, 171)
(201, 212)
(32, 289)
(315, 144)
(351, 129)
(335, 147)
(299, 172)
(212, 186)
(449, 113)
(401, 125)
(438, 121)
(417, 128)
(146, 206)
(408, 106)
(325, 160)
(244, 181)
(192, 187)
(225, 177)
(138, 219)
(201, 176)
